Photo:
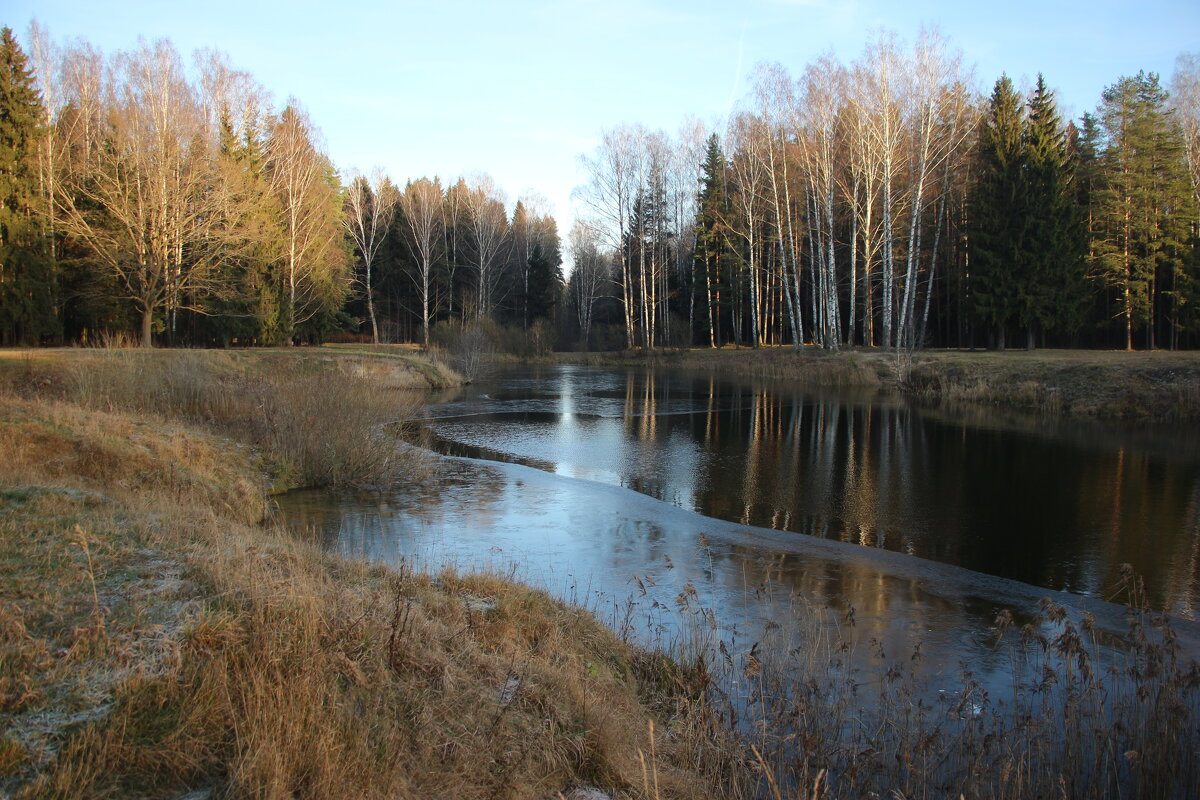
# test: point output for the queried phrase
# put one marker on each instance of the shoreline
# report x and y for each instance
(1153, 386)
(158, 640)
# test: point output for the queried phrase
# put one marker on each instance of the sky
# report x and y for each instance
(521, 90)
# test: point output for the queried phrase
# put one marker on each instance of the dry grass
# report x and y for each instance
(1158, 385)
(155, 640)
(1155, 385)
(810, 366)
(316, 418)
(1077, 721)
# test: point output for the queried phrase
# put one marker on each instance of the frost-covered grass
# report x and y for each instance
(157, 639)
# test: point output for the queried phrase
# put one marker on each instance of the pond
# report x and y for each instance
(643, 493)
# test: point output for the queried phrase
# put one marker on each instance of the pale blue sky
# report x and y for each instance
(521, 89)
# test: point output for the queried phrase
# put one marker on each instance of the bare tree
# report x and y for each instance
(313, 268)
(370, 206)
(590, 274)
(747, 137)
(1185, 99)
(865, 193)
(47, 66)
(684, 179)
(527, 233)
(610, 195)
(487, 222)
(819, 107)
(776, 102)
(162, 207)
(421, 205)
(881, 100)
(939, 111)
(236, 108)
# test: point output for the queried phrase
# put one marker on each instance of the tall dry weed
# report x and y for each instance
(316, 422)
(1079, 720)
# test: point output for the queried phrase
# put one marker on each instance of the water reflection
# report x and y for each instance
(635, 560)
(1057, 505)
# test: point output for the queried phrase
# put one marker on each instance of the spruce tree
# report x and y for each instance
(712, 251)
(26, 278)
(545, 283)
(1052, 271)
(998, 216)
(248, 311)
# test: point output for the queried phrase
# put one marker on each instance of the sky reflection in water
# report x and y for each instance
(631, 489)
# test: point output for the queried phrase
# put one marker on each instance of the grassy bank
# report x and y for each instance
(157, 639)
(1106, 384)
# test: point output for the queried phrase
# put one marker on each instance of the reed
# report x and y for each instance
(1077, 721)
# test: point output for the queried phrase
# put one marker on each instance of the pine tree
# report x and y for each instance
(26, 278)
(1143, 206)
(998, 213)
(1051, 272)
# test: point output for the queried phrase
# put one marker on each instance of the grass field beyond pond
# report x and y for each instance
(1155, 385)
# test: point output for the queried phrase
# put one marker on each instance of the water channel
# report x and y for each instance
(638, 493)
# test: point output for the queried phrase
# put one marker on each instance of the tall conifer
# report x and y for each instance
(712, 249)
(1143, 206)
(997, 201)
(1052, 270)
(26, 279)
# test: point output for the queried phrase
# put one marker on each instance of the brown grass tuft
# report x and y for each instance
(155, 641)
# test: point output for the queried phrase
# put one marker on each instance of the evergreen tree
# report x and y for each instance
(1143, 205)
(545, 284)
(1052, 271)
(27, 294)
(249, 312)
(998, 212)
(712, 249)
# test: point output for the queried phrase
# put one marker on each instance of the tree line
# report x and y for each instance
(888, 203)
(137, 195)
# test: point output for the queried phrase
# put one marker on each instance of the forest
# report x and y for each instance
(887, 202)
(145, 201)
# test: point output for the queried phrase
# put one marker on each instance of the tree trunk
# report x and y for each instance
(371, 309)
(147, 327)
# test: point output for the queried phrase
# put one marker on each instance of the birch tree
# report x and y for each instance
(312, 269)
(590, 275)
(1185, 100)
(746, 136)
(819, 104)
(775, 98)
(879, 99)
(939, 113)
(161, 206)
(370, 206)
(487, 223)
(610, 194)
(46, 61)
(421, 206)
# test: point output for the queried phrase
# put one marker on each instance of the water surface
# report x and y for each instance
(645, 494)
(1060, 505)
